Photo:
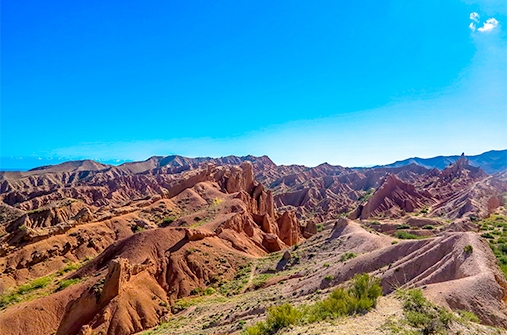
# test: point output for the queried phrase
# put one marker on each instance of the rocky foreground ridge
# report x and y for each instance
(141, 236)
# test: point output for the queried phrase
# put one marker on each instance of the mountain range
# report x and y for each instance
(177, 245)
(491, 162)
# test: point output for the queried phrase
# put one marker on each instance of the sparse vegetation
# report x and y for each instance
(468, 249)
(68, 268)
(168, 220)
(346, 256)
(422, 317)
(237, 283)
(364, 198)
(278, 317)
(403, 226)
(403, 235)
(136, 228)
(67, 282)
(359, 297)
(495, 230)
(209, 291)
(21, 293)
(320, 227)
(196, 291)
(487, 235)
(216, 202)
(35, 284)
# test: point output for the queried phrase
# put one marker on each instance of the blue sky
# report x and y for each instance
(358, 83)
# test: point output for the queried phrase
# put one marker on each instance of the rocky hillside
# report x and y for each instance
(88, 248)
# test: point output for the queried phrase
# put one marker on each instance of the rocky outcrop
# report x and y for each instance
(197, 234)
(290, 229)
(392, 198)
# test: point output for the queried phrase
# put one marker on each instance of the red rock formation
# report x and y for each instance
(391, 197)
(224, 211)
(290, 230)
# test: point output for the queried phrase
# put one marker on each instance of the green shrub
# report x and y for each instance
(468, 316)
(346, 256)
(67, 282)
(359, 297)
(135, 228)
(423, 315)
(328, 278)
(428, 227)
(217, 201)
(209, 291)
(320, 227)
(502, 248)
(487, 235)
(403, 226)
(365, 197)
(196, 291)
(69, 267)
(169, 219)
(468, 249)
(278, 317)
(406, 236)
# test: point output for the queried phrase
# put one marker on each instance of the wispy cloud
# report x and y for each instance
(489, 25)
(472, 26)
(474, 17)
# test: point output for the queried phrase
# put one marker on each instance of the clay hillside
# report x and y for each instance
(176, 245)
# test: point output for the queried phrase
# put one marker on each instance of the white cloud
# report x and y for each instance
(474, 16)
(472, 26)
(490, 24)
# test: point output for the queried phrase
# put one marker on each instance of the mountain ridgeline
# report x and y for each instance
(491, 162)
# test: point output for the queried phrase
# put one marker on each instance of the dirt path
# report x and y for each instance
(250, 278)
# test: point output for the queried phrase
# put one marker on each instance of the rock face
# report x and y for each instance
(393, 195)
(290, 229)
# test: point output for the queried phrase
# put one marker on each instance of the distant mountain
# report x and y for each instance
(26, 163)
(491, 162)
